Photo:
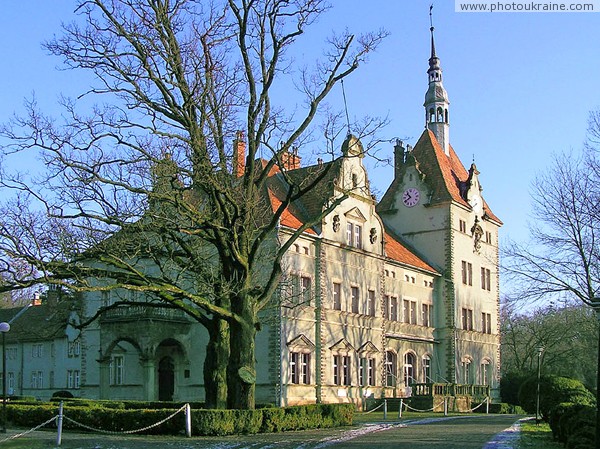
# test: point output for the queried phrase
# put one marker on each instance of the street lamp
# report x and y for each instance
(4, 328)
(537, 407)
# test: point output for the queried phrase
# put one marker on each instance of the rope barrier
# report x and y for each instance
(125, 432)
(476, 407)
(19, 435)
(372, 410)
(426, 410)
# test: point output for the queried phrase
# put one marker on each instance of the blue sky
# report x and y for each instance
(520, 84)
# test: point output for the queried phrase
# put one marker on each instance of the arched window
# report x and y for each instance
(466, 370)
(484, 372)
(440, 115)
(426, 364)
(390, 369)
(431, 115)
(446, 115)
(409, 368)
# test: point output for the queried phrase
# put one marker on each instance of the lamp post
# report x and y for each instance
(537, 406)
(4, 328)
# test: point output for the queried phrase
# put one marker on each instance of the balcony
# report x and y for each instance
(457, 397)
(143, 313)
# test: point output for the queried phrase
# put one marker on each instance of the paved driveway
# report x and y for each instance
(462, 432)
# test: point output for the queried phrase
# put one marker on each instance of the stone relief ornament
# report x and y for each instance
(336, 223)
(373, 235)
(477, 233)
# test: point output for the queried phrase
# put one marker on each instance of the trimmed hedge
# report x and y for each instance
(574, 425)
(204, 422)
(554, 390)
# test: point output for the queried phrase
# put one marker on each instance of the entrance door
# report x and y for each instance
(166, 379)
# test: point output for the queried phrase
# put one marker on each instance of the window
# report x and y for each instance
(427, 369)
(73, 378)
(105, 298)
(341, 369)
(305, 290)
(366, 373)
(386, 307)
(354, 294)
(486, 323)
(467, 319)
(337, 296)
(10, 381)
(390, 369)
(117, 370)
(11, 353)
(409, 369)
(306, 250)
(354, 235)
(37, 350)
(488, 237)
(485, 279)
(74, 348)
(51, 379)
(467, 273)
(462, 226)
(410, 311)
(484, 373)
(394, 309)
(300, 367)
(426, 314)
(466, 366)
(371, 302)
(37, 379)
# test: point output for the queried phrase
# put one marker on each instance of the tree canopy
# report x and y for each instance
(162, 185)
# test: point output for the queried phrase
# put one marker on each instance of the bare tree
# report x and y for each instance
(563, 257)
(146, 192)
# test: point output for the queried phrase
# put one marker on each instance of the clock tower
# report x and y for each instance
(436, 205)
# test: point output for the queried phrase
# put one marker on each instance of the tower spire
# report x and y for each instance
(436, 99)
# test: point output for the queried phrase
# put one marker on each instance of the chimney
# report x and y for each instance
(290, 160)
(239, 154)
(398, 157)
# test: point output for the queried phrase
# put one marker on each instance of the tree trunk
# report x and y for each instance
(215, 364)
(241, 371)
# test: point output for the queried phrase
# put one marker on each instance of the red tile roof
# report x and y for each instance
(397, 251)
(446, 174)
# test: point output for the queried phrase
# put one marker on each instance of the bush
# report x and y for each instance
(510, 385)
(204, 422)
(553, 391)
(573, 424)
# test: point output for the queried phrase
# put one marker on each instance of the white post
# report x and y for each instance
(59, 424)
(385, 409)
(446, 406)
(188, 420)
(487, 405)
(400, 408)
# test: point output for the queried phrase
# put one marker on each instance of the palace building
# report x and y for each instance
(391, 298)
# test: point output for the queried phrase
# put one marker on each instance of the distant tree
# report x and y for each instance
(568, 334)
(149, 187)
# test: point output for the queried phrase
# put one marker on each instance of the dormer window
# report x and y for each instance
(354, 235)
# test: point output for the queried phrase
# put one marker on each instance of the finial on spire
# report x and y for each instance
(431, 28)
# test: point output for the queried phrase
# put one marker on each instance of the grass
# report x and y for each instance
(537, 436)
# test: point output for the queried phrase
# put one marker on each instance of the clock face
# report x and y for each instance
(476, 204)
(411, 197)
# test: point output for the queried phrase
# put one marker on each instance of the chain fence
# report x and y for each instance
(61, 416)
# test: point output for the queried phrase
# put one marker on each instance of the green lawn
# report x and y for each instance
(537, 436)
